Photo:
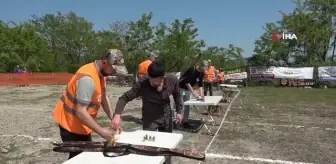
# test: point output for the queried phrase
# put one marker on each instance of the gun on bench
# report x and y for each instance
(124, 149)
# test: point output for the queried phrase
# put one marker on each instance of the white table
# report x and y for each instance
(165, 140)
(212, 102)
(208, 100)
(228, 85)
(228, 89)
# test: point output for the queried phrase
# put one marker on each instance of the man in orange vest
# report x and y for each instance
(209, 77)
(221, 76)
(142, 67)
(79, 104)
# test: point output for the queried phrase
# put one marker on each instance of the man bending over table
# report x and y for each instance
(76, 110)
(194, 75)
(155, 92)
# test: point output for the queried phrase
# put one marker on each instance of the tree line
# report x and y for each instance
(62, 42)
(311, 21)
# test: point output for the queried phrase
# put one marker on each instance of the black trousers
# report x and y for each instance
(159, 126)
(68, 136)
(162, 125)
(208, 86)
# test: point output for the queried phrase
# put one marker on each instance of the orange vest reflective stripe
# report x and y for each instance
(221, 76)
(65, 111)
(143, 68)
(209, 74)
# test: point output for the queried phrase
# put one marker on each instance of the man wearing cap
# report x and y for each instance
(77, 109)
(142, 68)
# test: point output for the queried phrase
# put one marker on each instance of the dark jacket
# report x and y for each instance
(156, 105)
(191, 76)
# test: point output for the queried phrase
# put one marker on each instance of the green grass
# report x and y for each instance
(286, 103)
(281, 123)
(291, 95)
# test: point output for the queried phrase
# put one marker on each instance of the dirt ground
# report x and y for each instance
(262, 125)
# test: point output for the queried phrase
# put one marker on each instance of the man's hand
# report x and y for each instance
(115, 124)
(179, 118)
(119, 130)
(202, 94)
(195, 94)
(200, 90)
(106, 134)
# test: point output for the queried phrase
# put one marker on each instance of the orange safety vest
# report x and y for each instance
(209, 74)
(221, 76)
(65, 111)
(143, 68)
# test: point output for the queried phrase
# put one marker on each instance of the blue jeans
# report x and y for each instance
(186, 108)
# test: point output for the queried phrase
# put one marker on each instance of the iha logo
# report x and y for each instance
(286, 36)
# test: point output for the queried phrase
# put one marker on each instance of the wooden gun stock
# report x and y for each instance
(82, 146)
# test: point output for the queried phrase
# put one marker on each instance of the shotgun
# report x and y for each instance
(124, 149)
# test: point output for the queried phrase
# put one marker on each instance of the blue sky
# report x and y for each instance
(220, 22)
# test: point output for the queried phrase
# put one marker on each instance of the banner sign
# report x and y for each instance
(297, 83)
(236, 76)
(264, 73)
(261, 73)
(293, 73)
(234, 71)
(327, 73)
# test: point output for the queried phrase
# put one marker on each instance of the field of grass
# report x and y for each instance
(262, 125)
(278, 125)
